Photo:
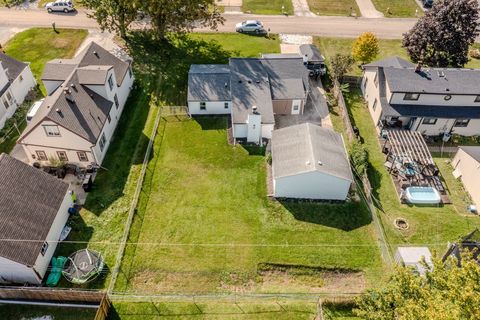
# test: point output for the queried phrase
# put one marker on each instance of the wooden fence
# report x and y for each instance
(343, 106)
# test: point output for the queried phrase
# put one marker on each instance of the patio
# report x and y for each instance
(410, 163)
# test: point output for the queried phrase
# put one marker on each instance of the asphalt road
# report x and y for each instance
(386, 28)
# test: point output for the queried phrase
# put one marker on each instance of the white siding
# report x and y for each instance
(436, 99)
(20, 88)
(371, 94)
(14, 272)
(267, 130)
(311, 185)
(212, 107)
(470, 174)
(240, 130)
(254, 128)
(445, 125)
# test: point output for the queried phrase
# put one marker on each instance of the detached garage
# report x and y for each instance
(310, 162)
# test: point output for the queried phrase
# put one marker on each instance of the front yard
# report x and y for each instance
(398, 8)
(268, 6)
(334, 8)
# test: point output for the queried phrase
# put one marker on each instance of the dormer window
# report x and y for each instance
(110, 82)
(411, 96)
(52, 131)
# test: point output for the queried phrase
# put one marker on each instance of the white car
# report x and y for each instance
(60, 6)
(253, 26)
(33, 110)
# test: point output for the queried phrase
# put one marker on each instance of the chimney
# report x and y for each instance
(418, 68)
(254, 109)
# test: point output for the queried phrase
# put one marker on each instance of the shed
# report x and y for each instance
(33, 211)
(413, 257)
(310, 162)
(467, 167)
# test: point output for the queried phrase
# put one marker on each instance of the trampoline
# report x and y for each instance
(83, 266)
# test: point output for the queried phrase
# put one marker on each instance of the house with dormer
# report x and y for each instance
(85, 99)
(433, 101)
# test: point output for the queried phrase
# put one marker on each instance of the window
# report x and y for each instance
(295, 107)
(411, 96)
(115, 99)
(130, 73)
(41, 155)
(375, 80)
(429, 121)
(225, 105)
(461, 122)
(109, 119)
(365, 83)
(20, 78)
(5, 103)
(203, 106)
(9, 96)
(102, 142)
(374, 105)
(110, 82)
(44, 248)
(62, 156)
(477, 99)
(82, 156)
(52, 131)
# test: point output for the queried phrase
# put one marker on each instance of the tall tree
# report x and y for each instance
(339, 65)
(181, 15)
(442, 37)
(446, 292)
(365, 48)
(112, 15)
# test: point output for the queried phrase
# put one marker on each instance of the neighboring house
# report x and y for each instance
(310, 162)
(432, 101)
(468, 244)
(413, 257)
(33, 211)
(467, 166)
(16, 81)
(86, 97)
(251, 90)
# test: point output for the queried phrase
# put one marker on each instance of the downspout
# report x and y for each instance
(419, 122)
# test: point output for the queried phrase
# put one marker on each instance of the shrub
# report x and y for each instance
(474, 53)
(359, 158)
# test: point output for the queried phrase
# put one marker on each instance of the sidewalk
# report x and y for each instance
(368, 10)
(301, 8)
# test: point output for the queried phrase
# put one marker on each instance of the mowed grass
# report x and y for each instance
(267, 6)
(206, 225)
(430, 226)
(40, 45)
(330, 46)
(334, 8)
(398, 8)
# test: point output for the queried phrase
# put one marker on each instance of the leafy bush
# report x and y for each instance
(359, 157)
(474, 53)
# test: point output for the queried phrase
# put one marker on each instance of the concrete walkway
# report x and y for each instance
(301, 8)
(367, 9)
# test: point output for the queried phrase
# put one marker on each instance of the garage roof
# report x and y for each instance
(307, 147)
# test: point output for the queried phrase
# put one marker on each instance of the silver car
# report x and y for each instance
(60, 6)
(250, 26)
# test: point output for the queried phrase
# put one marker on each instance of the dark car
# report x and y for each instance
(427, 3)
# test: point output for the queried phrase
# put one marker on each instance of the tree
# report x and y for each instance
(181, 15)
(112, 15)
(443, 36)
(365, 48)
(340, 64)
(446, 292)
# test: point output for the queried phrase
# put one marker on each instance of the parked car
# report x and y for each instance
(33, 110)
(60, 6)
(250, 26)
(427, 3)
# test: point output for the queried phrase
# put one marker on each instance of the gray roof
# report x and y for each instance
(209, 82)
(305, 148)
(12, 68)
(394, 61)
(288, 78)
(430, 111)
(454, 81)
(281, 56)
(473, 151)
(312, 52)
(29, 202)
(81, 111)
(250, 87)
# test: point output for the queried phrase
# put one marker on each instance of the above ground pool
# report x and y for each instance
(422, 195)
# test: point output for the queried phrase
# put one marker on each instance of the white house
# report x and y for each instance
(432, 101)
(16, 81)
(251, 90)
(310, 162)
(33, 211)
(467, 167)
(86, 97)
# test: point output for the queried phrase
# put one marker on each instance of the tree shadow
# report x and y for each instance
(346, 216)
(211, 122)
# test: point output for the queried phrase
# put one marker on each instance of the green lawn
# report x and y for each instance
(432, 226)
(334, 8)
(398, 8)
(40, 45)
(330, 46)
(15, 312)
(267, 6)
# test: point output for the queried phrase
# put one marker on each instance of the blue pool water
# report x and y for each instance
(422, 195)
